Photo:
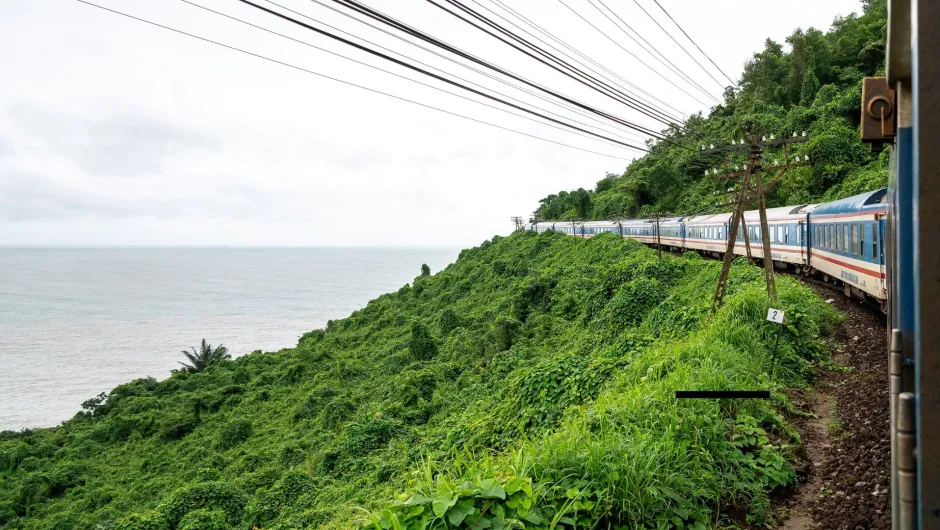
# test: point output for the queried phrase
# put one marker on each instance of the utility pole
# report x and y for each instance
(753, 168)
(517, 221)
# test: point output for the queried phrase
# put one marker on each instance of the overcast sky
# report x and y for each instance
(113, 132)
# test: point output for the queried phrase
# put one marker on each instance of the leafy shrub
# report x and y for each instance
(448, 321)
(234, 432)
(178, 426)
(203, 519)
(422, 345)
(501, 333)
(267, 506)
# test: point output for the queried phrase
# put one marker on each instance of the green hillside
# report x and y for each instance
(529, 383)
(815, 87)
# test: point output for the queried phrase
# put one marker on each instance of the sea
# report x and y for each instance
(75, 322)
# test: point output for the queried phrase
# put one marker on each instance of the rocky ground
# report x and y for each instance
(845, 481)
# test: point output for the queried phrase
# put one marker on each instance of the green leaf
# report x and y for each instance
(481, 524)
(443, 501)
(514, 485)
(514, 501)
(414, 512)
(491, 489)
(534, 517)
(416, 499)
(460, 511)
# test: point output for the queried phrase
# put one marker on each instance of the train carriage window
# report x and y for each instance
(786, 234)
(839, 238)
(855, 240)
(830, 237)
(861, 240)
(845, 239)
(874, 241)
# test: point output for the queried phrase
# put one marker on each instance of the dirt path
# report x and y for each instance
(816, 442)
(845, 477)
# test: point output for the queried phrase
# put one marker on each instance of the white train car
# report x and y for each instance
(788, 236)
(672, 232)
(593, 228)
(640, 230)
(707, 233)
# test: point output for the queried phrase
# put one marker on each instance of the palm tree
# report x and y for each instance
(204, 357)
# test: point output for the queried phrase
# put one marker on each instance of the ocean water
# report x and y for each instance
(77, 322)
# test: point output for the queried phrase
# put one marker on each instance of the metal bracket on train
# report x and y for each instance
(879, 115)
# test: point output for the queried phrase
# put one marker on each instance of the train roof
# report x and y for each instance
(783, 213)
(717, 218)
(871, 201)
(601, 224)
(636, 222)
(668, 220)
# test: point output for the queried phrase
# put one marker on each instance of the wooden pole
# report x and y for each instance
(754, 161)
(659, 240)
(732, 238)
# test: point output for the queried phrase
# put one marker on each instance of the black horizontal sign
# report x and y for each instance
(713, 394)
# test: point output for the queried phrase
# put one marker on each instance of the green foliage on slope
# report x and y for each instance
(528, 384)
(815, 87)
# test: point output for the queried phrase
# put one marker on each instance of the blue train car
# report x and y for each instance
(847, 242)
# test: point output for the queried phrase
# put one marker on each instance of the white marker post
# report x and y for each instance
(775, 315)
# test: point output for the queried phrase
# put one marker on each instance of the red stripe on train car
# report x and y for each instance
(867, 272)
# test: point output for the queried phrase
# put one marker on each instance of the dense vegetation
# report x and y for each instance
(815, 87)
(530, 384)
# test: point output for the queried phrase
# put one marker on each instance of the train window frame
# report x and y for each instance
(861, 240)
(845, 239)
(854, 239)
(874, 241)
(786, 235)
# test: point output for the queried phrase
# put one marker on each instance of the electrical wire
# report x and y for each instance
(686, 92)
(432, 74)
(377, 15)
(580, 63)
(395, 74)
(649, 47)
(348, 83)
(683, 48)
(484, 73)
(591, 60)
(583, 78)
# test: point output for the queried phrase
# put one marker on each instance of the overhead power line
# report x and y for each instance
(690, 40)
(649, 48)
(348, 83)
(559, 64)
(657, 72)
(385, 19)
(587, 58)
(362, 8)
(388, 71)
(533, 93)
(678, 116)
(432, 74)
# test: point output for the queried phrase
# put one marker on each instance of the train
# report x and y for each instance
(840, 242)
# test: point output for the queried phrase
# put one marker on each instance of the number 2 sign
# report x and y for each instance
(775, 315)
